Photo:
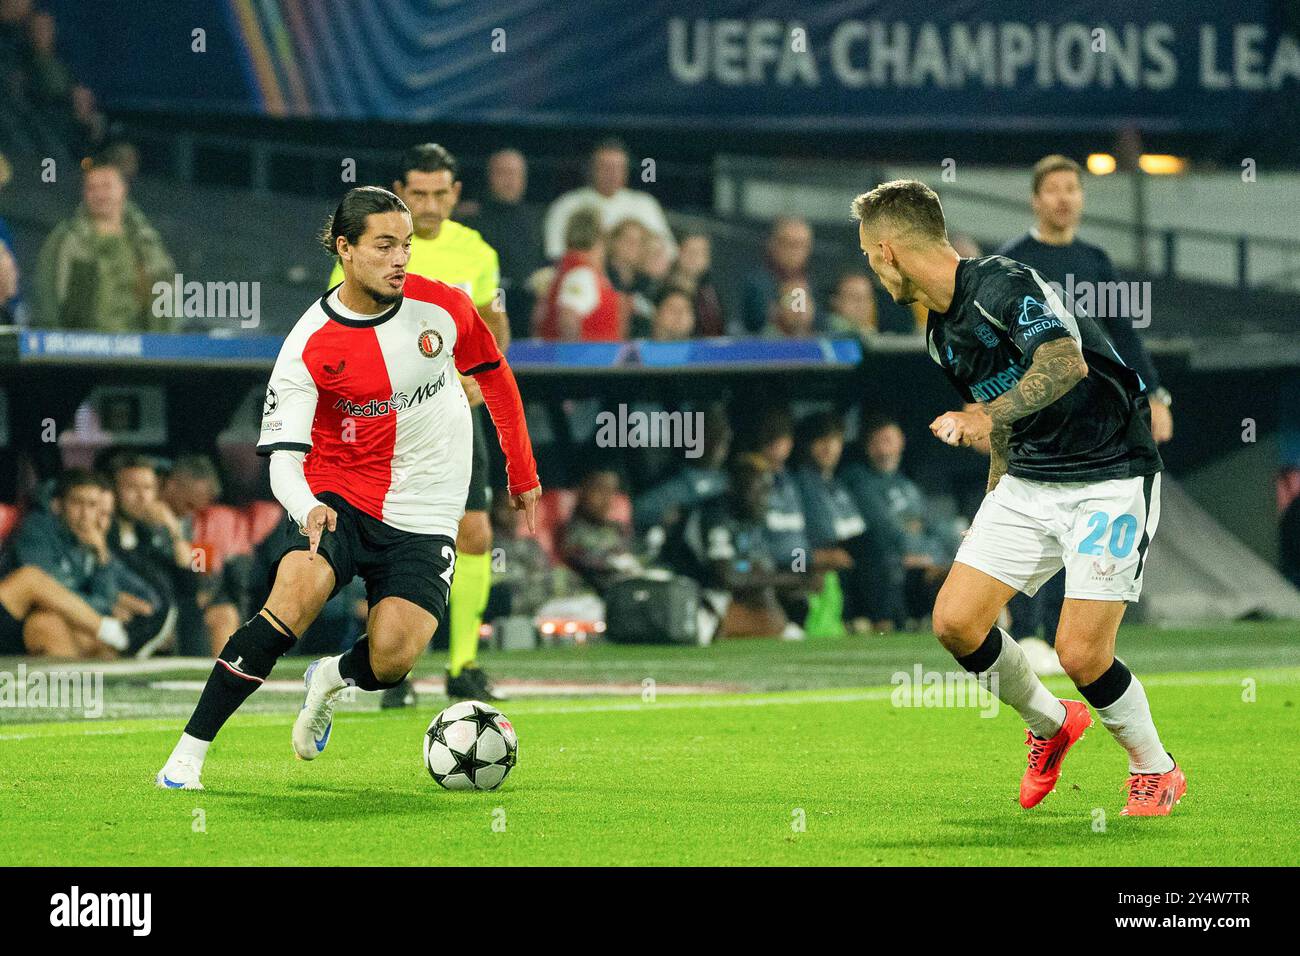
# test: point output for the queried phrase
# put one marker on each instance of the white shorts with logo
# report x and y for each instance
(1025, 531)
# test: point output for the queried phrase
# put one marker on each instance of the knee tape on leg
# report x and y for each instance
(255, 647)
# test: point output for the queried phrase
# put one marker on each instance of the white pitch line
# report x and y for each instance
(678, 704)
(513, 689)
(785, 698)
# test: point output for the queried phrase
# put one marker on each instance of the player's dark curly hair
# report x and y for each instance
(349, 219)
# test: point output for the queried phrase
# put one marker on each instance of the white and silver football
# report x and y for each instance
(470, 746)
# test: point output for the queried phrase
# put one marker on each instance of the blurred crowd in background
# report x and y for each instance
(757, 520)
(793, 520)
(618, 271)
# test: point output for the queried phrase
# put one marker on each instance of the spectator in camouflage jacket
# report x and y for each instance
(97, 268)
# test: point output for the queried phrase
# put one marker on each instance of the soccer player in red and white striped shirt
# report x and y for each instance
(369, 435)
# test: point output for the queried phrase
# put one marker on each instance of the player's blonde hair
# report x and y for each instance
(907, 204)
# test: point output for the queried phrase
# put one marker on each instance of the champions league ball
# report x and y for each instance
(470, 746)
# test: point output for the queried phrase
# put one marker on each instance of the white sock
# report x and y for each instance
(1016, 685)
(1129, 720)
(191, 747)
(328, 671)
(112, 633)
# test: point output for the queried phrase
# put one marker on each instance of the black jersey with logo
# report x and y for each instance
(1001, 312)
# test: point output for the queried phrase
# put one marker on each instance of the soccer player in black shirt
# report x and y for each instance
(1074, 481)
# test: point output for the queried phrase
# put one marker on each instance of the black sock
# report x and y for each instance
(984, 656)
(354, 667)
(241, 668)
(1109, 687)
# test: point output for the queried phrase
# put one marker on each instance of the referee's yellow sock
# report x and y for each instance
(469, 594)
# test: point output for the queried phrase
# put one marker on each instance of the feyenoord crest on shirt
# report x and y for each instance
(430, 343)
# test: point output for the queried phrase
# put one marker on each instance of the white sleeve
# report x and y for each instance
(290, 404)
(289, 485)
(579, 291)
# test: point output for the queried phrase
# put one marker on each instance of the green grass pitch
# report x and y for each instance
(811, 765)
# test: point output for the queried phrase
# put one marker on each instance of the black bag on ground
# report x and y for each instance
(653, 610)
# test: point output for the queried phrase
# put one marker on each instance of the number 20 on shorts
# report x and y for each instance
(1123, 534)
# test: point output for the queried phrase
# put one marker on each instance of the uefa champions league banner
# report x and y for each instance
(887, 64)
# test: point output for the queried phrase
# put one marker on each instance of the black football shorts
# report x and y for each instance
(479, 495)
(392, 563)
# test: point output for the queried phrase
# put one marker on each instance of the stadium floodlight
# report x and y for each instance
(1101, 164)
(1162, 164)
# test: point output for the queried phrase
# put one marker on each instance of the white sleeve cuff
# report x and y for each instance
(289, 485)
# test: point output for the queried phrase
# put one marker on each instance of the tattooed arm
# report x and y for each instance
(1058, 366)
(999, 442)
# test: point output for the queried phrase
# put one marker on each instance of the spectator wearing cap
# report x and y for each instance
(608, 194)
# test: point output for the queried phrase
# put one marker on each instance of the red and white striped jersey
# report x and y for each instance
(375, 403)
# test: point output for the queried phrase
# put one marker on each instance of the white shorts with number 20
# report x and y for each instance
(1025, 531)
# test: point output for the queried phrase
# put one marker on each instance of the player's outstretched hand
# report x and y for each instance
(961, 428)
(319, 519)
(527, 503)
